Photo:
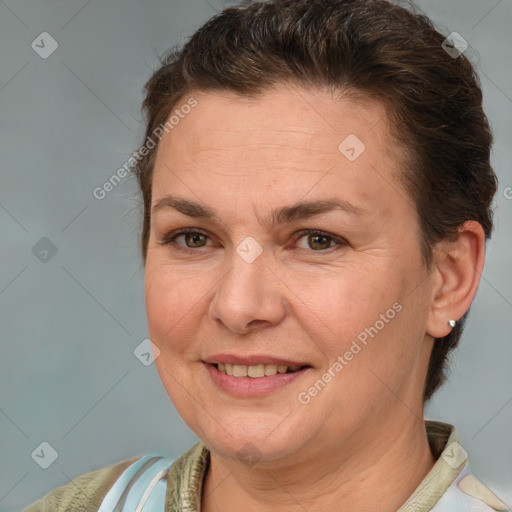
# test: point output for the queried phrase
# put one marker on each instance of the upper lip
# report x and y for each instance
(252, 360)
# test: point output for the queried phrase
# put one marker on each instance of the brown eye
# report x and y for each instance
(319, 241)
(194, 239)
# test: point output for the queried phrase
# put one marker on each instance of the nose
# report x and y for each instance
(250, 294)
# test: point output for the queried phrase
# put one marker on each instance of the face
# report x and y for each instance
(277, 275)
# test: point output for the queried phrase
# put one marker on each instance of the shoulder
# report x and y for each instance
(466, 492)
(84, 493)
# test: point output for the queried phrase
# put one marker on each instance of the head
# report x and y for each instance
(251, 115)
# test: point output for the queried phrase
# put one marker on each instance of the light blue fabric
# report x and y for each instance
(156, 501)
(129, 489)
(113, 496)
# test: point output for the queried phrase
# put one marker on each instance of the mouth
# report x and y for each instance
(260, 376)
(256, 371)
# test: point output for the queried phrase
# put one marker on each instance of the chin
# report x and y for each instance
(254, 437)
(251, 449)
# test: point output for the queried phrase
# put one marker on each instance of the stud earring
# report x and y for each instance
(452, 323)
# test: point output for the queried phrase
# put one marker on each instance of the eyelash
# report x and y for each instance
(170, 239)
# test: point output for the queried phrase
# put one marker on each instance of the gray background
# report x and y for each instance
(69, 325)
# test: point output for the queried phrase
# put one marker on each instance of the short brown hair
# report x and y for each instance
(371, 47)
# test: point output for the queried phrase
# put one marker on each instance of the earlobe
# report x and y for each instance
(458, 268)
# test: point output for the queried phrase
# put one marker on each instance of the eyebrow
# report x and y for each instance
(298, 211)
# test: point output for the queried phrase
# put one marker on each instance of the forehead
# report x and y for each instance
(288, 139)
(283, 115)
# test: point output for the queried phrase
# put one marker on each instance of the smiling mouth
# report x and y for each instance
(256, 371)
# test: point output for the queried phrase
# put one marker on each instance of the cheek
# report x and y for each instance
(364, 324)
(173, 306)
(344, 302)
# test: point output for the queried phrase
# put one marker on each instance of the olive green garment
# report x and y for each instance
(449, 486)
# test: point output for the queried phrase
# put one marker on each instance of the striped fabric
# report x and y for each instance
(141, 487)
(157, 483)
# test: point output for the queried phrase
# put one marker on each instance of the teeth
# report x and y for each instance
(239, 370)
(270, 369)
(254, 371)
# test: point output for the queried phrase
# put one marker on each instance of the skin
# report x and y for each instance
(359, 444)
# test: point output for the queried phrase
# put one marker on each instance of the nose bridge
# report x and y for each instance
(248, 277)
(248, 291)
(249, 250)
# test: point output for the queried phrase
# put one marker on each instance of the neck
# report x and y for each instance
(384, 470)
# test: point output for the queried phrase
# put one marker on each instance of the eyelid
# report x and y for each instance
(169, 238)
(340, 241)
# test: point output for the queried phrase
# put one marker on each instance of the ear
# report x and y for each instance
(456, 275)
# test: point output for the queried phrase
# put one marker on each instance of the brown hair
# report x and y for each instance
(372, 48)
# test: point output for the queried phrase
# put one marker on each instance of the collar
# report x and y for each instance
(451, 458)
(185, 479)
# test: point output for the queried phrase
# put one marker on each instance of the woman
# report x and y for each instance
(317, 191)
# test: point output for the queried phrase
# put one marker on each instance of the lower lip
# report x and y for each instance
(246, 387)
